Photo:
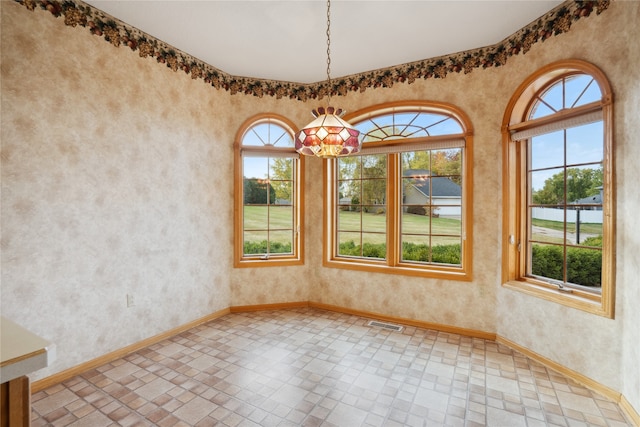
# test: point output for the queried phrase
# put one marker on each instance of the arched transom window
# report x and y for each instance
(402, 205)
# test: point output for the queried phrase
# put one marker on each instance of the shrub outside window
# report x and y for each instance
(268, 194)
(559, 183)
(402, 205)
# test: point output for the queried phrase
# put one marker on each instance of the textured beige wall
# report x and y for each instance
(114, 180)
(626, 85)
(117, 178)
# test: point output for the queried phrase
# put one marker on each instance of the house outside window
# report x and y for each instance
(268, 194)
(402, 205)
(559, 220)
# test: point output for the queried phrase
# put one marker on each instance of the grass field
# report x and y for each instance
(280, 217)
(277, 217)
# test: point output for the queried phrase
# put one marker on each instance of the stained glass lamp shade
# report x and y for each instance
(328, 135)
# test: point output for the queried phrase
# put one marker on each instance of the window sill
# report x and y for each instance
(271, 262)
(448, 273)
(593, 304)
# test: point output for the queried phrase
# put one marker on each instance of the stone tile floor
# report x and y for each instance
(308, 367)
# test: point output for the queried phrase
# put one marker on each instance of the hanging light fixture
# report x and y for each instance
(328, 135)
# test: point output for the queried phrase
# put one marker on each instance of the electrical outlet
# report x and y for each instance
(130, 301)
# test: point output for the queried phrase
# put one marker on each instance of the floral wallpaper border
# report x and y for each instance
(557, 21)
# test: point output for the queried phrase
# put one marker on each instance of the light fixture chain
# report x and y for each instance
(329, 47)
(328, 136)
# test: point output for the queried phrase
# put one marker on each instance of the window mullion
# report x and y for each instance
(394, 249)
(523, 217)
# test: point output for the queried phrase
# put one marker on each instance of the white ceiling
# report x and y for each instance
(286, 40)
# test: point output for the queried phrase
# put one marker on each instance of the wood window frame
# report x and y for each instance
(297, 256)
(393, 264)
(514, 211)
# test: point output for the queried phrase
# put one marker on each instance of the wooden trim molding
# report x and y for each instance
(408, 322)
(617, 397)
(574, 375)
(268, 307)
(629, 410)
(117, 354)
(76, 13)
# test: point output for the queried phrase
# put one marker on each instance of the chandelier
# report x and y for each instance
(328, 135)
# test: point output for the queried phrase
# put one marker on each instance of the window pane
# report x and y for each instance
(258, 192)
(437, 249)
(281, 168)
(447, 163)
(349, 167)
(267, 134)
(445, 226)
(592, 94)
(552, 99)
(570, 92)
(446, 250)
(416, 248)
(374, 183)
(349, 221)
(282, 138)
(584, 227)
(546, 187)
(584, 266)
(280, 217)
(446, 127)
(349, 244)
(374, 166)
(374, 219)
(580, 90)
(283, 192)
(281, 242)
(257, 135)
(408, 125)
(584, 184)
(547, 261)
(255, 167)
(571, 190)
(374, 245)
(350, 194)
(255, 217)
(540, 109)
(585, 144)
(255, 242)
(374, 192)
(414, 222)
(432, 195)
(547, 225)
(575, 88)
(547, 150)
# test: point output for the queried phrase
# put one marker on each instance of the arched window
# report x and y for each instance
(558, 178)
(268, 194)
(403, 204)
